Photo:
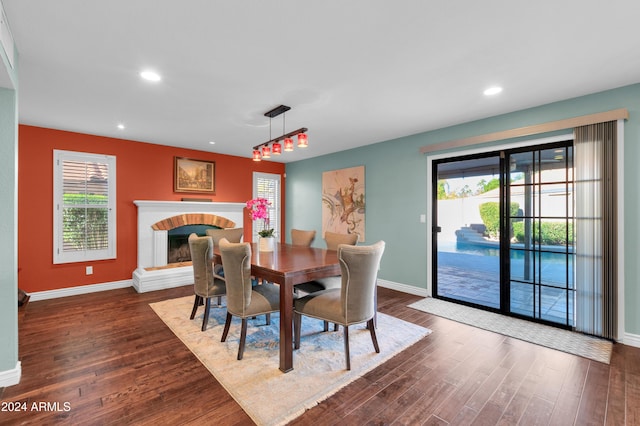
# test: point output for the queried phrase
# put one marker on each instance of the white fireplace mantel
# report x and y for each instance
(152, 244)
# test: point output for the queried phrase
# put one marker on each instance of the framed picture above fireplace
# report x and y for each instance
(191, 175)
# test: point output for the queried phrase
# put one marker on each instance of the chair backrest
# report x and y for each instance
(236, 261)
(233, 235)
(300, 237)
(359, 266)
(334, 239)
(201, 249)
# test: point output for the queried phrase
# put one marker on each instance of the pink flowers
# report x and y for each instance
(259, 210)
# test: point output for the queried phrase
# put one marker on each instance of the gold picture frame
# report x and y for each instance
(190, 175)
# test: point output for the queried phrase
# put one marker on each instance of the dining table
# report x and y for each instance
(288, 265)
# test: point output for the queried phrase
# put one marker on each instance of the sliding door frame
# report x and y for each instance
(435, 155)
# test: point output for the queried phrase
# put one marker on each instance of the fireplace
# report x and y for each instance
(178, 241)
(156, 219)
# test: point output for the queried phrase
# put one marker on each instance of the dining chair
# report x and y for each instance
(205, 284)
(301, 237)
(243, 300)
(332, 240)
(233, 235)
(352, 303)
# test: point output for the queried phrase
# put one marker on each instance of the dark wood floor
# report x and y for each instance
(115, 362)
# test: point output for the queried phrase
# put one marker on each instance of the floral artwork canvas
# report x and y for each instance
(343, 201)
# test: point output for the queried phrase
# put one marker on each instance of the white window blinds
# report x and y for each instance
(84, 207)
(267, 185)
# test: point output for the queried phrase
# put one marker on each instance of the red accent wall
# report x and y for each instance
(144, 172)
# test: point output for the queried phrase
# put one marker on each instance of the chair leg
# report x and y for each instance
(375, 320)
(219, 300)
(326, 325)
(205, 320)
(297, 322)
(196, 303)
(375, 306)
(268, 319)
(227, 324)
(335, 327)
(346, 346)
(243, 338)
(372, 329)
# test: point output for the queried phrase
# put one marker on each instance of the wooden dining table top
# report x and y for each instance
(288, 265)
(294, 263)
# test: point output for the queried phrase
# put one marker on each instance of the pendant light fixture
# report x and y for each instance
(273, 145)
(288, 144)
(276, 148)
(302, 140)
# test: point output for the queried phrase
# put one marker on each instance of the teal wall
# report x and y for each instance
(8, 219)
(396, 188)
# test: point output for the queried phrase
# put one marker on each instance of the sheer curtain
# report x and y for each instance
(596, 229)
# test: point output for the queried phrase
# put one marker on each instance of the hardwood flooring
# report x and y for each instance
(106, 358)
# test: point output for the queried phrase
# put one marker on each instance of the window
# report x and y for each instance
(84, 214)
(267, 185)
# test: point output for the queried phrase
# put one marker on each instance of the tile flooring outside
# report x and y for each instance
(475, 279)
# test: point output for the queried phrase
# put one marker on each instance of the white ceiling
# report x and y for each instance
(355, 72)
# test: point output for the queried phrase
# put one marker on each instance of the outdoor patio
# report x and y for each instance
(474, 278)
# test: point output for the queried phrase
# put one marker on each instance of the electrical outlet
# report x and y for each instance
(423, 218)
(89, 270)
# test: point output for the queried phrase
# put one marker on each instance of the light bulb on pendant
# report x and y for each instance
(256, 155)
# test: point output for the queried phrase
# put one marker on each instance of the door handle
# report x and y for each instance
(436, 229)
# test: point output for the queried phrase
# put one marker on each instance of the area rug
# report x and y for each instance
(551, 337)
(267, 395)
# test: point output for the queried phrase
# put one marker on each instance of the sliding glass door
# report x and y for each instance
(541, 243)
(503, 235)
(466, 237)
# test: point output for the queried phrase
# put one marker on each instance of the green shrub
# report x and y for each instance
(85, 228)
(490, 215)
(551, 233)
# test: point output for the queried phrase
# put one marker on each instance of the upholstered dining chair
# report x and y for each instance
(301, 237)
(233, 235)
(205, 284)
(332, 240)
(353, 302)
(243, 300)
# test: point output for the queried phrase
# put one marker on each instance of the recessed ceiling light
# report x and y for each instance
(150, 75)
(121, 126)
(493, 91)
(212, 142)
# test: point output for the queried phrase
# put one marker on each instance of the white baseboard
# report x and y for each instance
(403, 288)
(631, 340)
(11, 377)
(74, 291)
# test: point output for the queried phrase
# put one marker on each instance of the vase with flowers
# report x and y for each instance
(259, 210)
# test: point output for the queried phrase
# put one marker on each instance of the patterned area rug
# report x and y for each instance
(319, 364)
(551, 337)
